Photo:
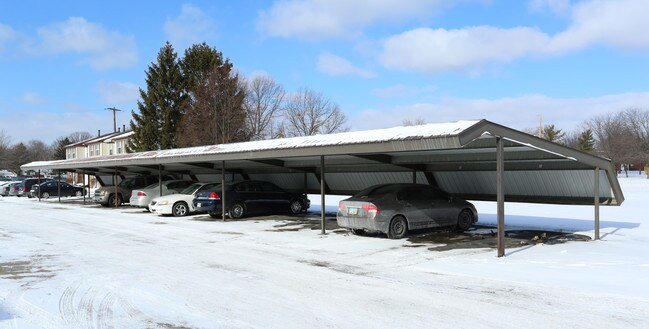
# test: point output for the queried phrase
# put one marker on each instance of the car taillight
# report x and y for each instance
(214, 196)
(140, 193)
(341, 206)
(371, 209)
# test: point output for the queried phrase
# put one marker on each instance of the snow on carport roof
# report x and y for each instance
(459, 157)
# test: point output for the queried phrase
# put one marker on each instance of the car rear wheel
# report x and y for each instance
(464, 220)
(78, 193)
(296, 207)
(115, 201)
(398, 228)
(214, 214)
(45, 195)
(179, 209)
(237, 211)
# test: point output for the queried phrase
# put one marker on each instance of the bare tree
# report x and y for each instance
(415, 122)
(638, 122)
(263, 103)
(614, 137)
(5, 147)
(78, 136)
(308, 113)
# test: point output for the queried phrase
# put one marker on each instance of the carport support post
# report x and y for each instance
(83, 184)
(58, 186)
(160, 178)
(115, 185)
(223, 190)
(39, 185)
(414, 176)
(596, 203)
(322, 194)
(500, 196)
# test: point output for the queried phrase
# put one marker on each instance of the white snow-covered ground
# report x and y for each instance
(73, 266)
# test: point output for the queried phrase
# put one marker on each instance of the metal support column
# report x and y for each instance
(115, 185)
(83, 184)
(58, 185)
(597, 203)
(39, 186)
(500, 195)
(223, 190)
(414, 177)
(322, 194)
(160, 178)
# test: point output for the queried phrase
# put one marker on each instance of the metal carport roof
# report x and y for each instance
(459, 157)
(476, 160)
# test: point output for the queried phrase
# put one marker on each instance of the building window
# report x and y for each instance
(110, 148)
(119, 147)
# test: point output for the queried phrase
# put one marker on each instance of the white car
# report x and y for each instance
(142, 197)
(179, 204)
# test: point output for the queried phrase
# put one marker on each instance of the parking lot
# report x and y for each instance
(68, 265)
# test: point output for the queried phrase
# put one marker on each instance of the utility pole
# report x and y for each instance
(114, 116)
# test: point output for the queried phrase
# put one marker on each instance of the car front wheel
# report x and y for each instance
(45, 195)
(78, 193)
(180, 209)
(398, 228)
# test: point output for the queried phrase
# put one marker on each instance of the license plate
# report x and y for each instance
(198, 205)
(353, 211)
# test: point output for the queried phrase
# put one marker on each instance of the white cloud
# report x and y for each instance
(615, 23)
(102, 49)
(431, 50)
(118, 92)
(517, 112)
(556, 6)
(320, 19)
(190, 27)
(6, 35)
(33, 98)
(336, 66)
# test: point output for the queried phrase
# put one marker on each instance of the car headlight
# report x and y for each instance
(162, 203)
(102, 193)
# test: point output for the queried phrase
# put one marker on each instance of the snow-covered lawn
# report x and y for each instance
(68, 265)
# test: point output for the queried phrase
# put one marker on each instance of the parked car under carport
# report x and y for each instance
(394, 209)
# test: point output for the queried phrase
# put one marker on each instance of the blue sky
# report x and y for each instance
(382, 61)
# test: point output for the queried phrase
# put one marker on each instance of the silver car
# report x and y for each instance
(141, 198)
(394, 209)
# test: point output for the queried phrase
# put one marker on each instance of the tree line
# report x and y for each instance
(200, 99)
(622, 137)
(13, 155)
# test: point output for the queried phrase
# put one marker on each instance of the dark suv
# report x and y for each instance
(29, 182)
(115, 196)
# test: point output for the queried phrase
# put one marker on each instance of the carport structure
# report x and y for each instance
(475, 160)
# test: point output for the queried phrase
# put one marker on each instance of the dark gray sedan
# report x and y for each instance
(394, 209)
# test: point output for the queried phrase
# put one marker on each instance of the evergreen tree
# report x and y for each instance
(198, 62)
(160, 107)
(58, 148)
(214, 111)
(19, 156)
(586, 141)
(552, 134)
